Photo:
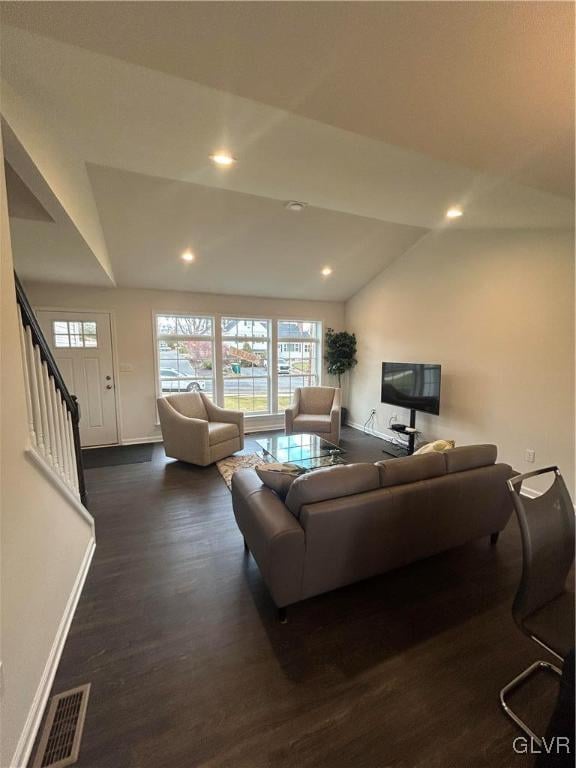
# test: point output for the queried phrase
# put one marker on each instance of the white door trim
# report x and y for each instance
(115, 363)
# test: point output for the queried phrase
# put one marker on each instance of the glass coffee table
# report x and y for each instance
(306, 451)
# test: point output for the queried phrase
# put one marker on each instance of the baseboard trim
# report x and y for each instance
(389, 436)
(138, 440)
(248, 430)
(530, 493)
(28, 735)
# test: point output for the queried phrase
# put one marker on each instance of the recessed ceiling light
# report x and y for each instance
(327, 271)
(188, 256)
(453, 213)
(295, 205)
(223, 159)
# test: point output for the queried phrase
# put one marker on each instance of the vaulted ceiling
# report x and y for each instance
(378, 115)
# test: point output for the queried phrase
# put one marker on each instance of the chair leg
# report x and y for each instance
(494, 538)
(246, 549)
(518, 681)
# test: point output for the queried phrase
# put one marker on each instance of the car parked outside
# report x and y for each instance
(172, 380)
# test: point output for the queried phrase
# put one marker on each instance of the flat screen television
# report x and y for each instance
(412, 385)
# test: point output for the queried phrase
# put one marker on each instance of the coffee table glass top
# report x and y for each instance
(304, 450)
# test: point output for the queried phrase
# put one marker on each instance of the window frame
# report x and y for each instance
(250, 339)
(158, 337)
(83, 334)
(217, 339)
(316, 341)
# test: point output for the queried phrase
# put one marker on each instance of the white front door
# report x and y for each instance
(81, 343)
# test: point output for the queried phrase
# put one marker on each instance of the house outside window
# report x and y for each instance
(299, 362)
(246, 364)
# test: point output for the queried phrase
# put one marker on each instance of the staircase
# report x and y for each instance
(53, 413)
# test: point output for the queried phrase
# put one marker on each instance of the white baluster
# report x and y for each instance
(72, 452)
(27, 384)
(64, 433)
(65, 442)
(58, 424)
(51, 416)
(60, 436)
(43, 404)
(34, 392)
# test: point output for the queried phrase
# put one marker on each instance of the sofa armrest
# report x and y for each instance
(215, 413)
(289, 416)
(273, 535)
(335, 418)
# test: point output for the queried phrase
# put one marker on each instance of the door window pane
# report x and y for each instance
(74, 333)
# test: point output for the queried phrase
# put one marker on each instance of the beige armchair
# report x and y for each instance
(316, 410)
(197, 431)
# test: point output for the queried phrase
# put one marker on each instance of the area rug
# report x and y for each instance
(117, 454)
(228, 466)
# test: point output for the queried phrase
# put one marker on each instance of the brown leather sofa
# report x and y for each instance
(346, 523)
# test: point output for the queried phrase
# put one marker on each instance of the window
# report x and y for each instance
(185, 346)
(298, 357)
(246, 364)
(73, 333)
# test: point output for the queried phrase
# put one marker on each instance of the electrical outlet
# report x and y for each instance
(530, 455)
(373, 412)
(394, 418)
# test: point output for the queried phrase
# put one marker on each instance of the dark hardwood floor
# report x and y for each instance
(189, 666)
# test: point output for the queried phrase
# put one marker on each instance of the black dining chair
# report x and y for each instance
(543, 607)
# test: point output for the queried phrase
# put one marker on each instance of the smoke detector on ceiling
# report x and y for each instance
(295, 205)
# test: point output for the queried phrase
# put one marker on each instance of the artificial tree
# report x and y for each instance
(340, 352)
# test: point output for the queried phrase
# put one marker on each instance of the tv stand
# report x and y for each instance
(397, 450)
(394, 450)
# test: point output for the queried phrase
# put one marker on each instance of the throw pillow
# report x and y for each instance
(436, 445)
(278, 477)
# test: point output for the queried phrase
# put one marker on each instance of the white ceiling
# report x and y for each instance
(145, 137)
(150, 221)
(487, 85)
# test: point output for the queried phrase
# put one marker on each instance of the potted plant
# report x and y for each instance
(340, 356)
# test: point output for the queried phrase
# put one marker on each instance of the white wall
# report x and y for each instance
(496, 309)
(133, 319)
(46, 545)
(55, 154)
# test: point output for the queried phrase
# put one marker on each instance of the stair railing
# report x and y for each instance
(53, 413)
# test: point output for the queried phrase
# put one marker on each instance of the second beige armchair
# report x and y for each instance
(197, 431)
(316, 410)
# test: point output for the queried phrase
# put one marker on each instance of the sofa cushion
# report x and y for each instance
(189, 404)
(331, 483)
(316, 400)
(435, 445)
(410, 469)
(277, 479)
(219, 432)
(469, 457)
(306, 422)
